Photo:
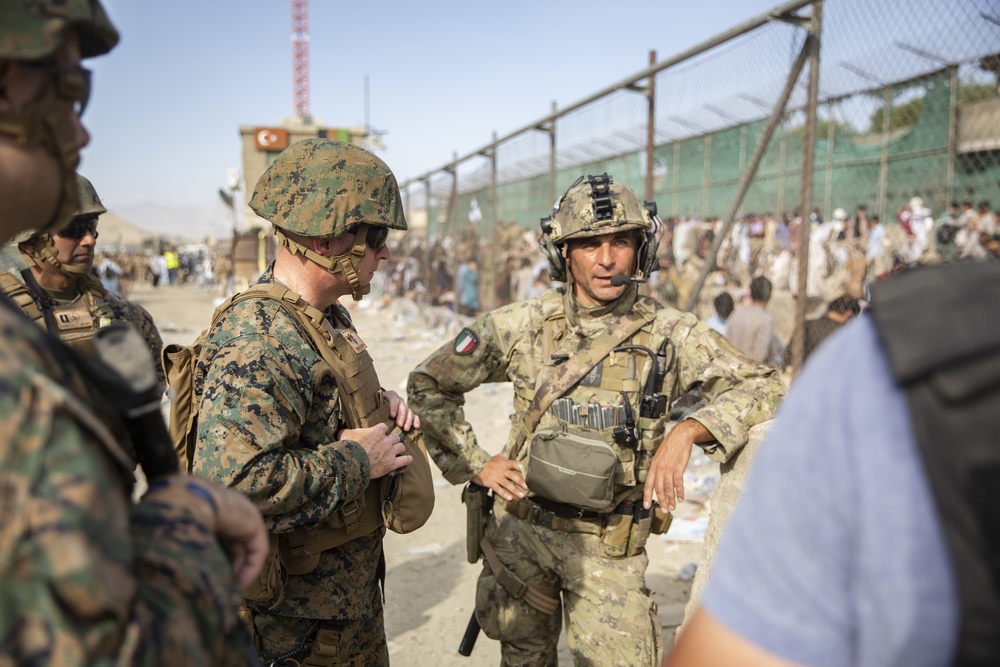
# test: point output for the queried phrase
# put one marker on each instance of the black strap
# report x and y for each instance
(42, 300)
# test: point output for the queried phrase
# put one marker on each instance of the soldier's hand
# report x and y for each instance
(241, 531)
(405, 418)
(503, 476)
(385, 451)
(665, 479)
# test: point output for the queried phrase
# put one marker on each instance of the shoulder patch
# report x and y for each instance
(466, 341)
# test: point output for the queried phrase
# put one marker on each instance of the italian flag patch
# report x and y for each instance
(466, 342)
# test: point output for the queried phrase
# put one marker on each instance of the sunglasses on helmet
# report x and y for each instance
(79, 228)
(72, 83)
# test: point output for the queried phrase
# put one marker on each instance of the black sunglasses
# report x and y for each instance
(79, 228)
(375, 237)
(72, 83)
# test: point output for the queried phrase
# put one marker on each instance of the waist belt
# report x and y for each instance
(560, 516)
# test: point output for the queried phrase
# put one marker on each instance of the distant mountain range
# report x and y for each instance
(189, 223)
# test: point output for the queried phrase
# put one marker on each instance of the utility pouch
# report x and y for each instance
(661, 521)
(270, 583)
(571, 467)
(478, 507)
(614, 536)
(408, 493)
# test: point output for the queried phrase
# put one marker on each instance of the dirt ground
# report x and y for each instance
(430, 586)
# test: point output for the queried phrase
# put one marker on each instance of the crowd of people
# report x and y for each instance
(268, 547)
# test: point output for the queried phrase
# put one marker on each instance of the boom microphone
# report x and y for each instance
(619, 280)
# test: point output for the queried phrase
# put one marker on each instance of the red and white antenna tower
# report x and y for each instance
(300, 57)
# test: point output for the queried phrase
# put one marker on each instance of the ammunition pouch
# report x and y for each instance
(478, 507)
(572, 466)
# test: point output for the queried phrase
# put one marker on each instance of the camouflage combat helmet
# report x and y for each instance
(44, 250)
(326, 188)
(592, 206)
(34, 30)
(322, 187)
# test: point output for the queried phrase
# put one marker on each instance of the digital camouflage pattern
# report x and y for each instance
(613, 621)
(33, 29)
(517, 344)
(360, 642)
(574, 216)
(85, 577)
(322, 188)
(267, 426)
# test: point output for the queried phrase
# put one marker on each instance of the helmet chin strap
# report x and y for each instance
(45, 251)
(347, 264)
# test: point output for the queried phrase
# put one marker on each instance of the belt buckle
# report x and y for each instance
(534, 514)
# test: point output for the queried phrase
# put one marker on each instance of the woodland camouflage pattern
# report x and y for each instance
(514, 347)
(267, 427)
(84, 575)
(322, 188)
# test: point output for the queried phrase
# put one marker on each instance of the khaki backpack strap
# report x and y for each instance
(20, 295)
(554, 381)
(543, 598)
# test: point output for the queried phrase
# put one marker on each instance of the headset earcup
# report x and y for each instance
(647, 255)
(557, 263)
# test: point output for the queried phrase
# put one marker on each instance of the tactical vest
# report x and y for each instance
(363, 404)
(73, 323)
(618, 372)
(941, 330)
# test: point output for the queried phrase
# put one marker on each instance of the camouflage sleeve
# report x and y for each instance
(188, 599)
(83, 581)
(143, 321)
(257, 400)
(436, 391)
(739, 393)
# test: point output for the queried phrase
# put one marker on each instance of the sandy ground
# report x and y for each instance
(430, 586)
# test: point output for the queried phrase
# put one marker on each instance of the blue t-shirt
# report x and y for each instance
(835, 554)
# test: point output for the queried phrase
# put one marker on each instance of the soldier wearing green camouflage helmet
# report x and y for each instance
(593, 462)
(274, 420)
(86, 577)
(51, 281)
(325, 189)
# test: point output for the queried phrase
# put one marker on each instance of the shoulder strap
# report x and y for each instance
(941, 331)
(555, 381)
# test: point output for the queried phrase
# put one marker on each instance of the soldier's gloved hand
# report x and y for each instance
(503, 476)
(385, 451)
(235, 521)
(405, 418)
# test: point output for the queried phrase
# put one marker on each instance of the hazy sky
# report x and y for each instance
(443, 76)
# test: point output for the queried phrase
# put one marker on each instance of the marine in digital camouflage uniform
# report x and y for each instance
(593, 559)
(271, 419)
(86, 578)
(61, 294)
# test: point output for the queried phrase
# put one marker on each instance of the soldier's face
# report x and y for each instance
(75, 244)
(594, 260)
(30, 177)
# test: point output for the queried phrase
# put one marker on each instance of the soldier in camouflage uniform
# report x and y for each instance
(87, 578)
(585, 552)
(272, 416)
(49, 277)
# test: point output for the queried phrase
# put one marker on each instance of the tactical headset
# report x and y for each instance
(603, 208)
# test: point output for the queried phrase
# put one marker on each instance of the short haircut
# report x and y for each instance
(760, 289)
(844, 304)
(724, 304)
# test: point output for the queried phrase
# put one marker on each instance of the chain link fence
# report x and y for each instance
(902, 134)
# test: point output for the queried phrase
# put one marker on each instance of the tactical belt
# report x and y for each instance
(543, 598)
(547, 513)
